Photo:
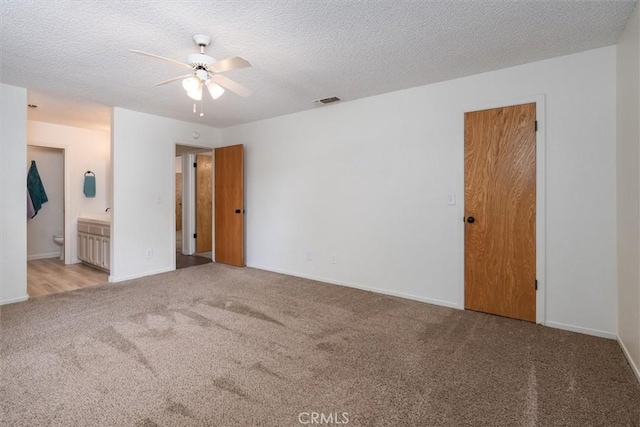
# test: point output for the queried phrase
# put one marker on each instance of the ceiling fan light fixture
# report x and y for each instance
(205, 70)
(215, 89)
(191, 83)
(196, 94)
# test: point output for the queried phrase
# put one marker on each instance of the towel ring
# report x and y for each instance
(89, 172)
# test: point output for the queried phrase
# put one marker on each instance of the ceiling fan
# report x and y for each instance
(205, 72)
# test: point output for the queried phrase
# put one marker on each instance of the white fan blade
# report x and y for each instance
(229, 64)
(231, 85)
(162, 58)
(173, 79)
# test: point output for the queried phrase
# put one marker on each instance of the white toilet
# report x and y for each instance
(59, 240)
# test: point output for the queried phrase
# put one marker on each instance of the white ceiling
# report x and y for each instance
(301, 51)
(68, 111)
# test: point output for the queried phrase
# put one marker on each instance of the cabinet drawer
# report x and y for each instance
(95, 229)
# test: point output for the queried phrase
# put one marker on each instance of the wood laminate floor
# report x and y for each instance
(51, 276)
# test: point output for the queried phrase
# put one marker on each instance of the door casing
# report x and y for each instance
(539, 100)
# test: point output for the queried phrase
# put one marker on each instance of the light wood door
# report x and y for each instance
(500, 213)
(229, 218)
(178, 201)
(204, 204)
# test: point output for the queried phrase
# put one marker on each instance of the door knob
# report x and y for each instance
(471, 220)
(239, 210)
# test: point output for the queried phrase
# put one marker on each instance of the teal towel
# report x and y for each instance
(89, 184)
(35, 187)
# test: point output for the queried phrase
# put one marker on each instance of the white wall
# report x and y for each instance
(13, 193)
(143, 218)
(86, 149)
(49, 221)
(368, 180)
(628, 196)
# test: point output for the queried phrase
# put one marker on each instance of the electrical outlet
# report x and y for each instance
(309, 256)
(149, 253)
(334, 259)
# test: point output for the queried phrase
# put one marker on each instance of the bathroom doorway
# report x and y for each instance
(47, 239)
(79, 132)
(45, 225)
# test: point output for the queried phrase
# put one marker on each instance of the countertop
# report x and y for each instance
(102, 219)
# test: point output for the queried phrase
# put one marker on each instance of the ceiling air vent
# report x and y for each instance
(328, 100)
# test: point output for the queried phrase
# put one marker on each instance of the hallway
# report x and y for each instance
(185, 261)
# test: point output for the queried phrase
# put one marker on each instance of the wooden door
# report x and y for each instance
(178, 201)
(204, 206)
(500, 211)
(229, 218)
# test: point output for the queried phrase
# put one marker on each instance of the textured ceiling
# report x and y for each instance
(68, 111)
(300, 50)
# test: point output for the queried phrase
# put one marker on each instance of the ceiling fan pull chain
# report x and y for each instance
(194, 108)
(201, 108)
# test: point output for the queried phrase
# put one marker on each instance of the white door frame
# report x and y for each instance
(541, 212)
(66, 154)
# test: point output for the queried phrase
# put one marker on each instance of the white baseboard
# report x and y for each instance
(14, 300)
(581, 330)
(557, 325)
(43, 256)
(634, 367)
(114, 279)
(361, 287)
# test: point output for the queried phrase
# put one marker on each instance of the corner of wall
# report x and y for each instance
(143, 161)
(13, 175)
(628, 189)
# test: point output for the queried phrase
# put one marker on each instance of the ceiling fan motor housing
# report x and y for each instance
(199, 60)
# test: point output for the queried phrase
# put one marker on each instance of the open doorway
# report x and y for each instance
(69, 140)
(212, 215)
(49, 267)
(193, 206)
(45, 187)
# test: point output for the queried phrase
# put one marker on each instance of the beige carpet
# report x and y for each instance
(220, 346)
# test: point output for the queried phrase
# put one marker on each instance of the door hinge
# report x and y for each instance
(195, 165)
(195, 235)
(536, 126)
(536, 284)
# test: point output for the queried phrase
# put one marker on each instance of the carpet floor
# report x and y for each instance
(214, 345)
